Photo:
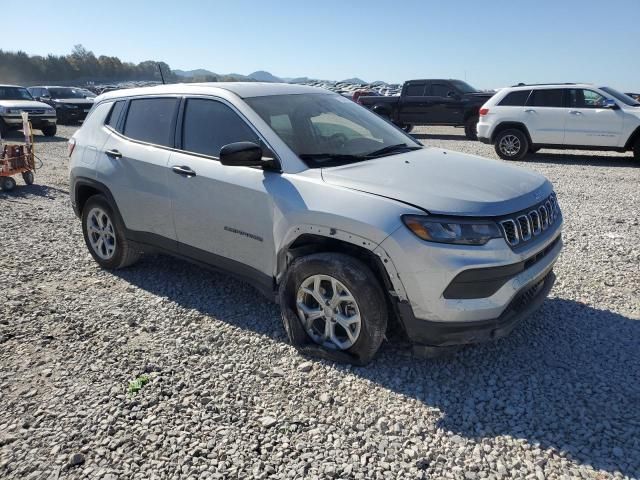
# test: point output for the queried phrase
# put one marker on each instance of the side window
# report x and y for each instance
(114, 114)
(592, 99)
(551, 97)
(440, 89)
(415, 90)
(150, 119)
(209, 125)
(515, 99)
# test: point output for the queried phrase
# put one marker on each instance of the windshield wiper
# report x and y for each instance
(391, 149)
(332, 157)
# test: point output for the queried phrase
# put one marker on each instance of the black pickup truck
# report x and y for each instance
(431, 102)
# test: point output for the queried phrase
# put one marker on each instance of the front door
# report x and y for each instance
(590, 123)
(223, 215)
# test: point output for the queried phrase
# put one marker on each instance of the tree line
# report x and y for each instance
(80, 65)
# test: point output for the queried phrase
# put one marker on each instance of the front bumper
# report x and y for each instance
(72, 113)
(38, 121)
(457, 294)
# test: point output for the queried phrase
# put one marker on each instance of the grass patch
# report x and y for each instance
(136, 385)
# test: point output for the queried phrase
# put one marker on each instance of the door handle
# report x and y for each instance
(529, 110)
(183, 170)
(113, 153)
(575, 112)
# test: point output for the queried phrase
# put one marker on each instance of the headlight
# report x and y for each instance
(9, 111)
(50, 110)
(456, 231)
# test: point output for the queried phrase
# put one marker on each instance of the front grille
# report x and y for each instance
(33, 111)
(523, 228)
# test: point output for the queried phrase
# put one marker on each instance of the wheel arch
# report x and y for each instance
(85, 188)
(501, 127)
(635, 135)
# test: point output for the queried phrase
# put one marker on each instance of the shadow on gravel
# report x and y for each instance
(433, 136)
(587, 159)
(566, 379)
(25, 191)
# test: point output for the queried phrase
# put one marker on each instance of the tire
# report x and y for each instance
(115, 251)
(511, 144)
(7, 183)
(407, 128)
(353, 280)
(28, 177)
(49, 130)
(471, 128)
(4, 130)
(636, 150)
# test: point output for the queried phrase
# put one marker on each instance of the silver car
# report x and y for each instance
(351, 225)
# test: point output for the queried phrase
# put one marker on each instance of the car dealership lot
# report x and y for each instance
(229, 398)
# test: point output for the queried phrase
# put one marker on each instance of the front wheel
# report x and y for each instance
(511, 144)
(407, 128)
(339, 304)
(636, 150)
(49, 130)
(7, 183)
(104, 235)
(471, 128)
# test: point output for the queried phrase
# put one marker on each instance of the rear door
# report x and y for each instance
(590, 123)
(545, 116)
(223, 215)
(134, 166)
(413, 104)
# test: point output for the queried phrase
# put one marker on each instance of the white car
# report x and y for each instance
(526, 118)
(322, 205)
(13, 101)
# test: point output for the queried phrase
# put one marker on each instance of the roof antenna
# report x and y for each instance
(161, 75)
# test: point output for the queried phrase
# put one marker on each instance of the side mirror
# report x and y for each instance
(241, 154)
(452, 94)
(608, 103)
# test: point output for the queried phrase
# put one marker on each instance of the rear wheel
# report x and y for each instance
(7, 183)
(511, 144)
(636, 150)
(339, 303)
(407, 128)
(28, 177)
(104, 235)
(4, 130)
(471, 128)
(49, 130)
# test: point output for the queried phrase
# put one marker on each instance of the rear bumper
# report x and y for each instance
(441, 334)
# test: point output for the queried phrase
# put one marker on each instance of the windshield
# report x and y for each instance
(328, 130)
(14, 93)
(66, 93)
(626, 99)
(464, 87)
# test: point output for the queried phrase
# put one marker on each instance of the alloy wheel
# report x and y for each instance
(510, 145)
(101, 233)
(329, 312)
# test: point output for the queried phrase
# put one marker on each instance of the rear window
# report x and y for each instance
(209, 125)
(547, 98)
(150, 120)
(515, 99)
(415, 90)
(114, 114)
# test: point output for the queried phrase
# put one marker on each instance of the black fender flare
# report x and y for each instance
(506, 125)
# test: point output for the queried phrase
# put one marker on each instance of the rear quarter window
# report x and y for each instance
(515, 99)
(150, 120)
(114, 114)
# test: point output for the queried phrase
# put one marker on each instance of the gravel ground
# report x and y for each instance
(227, 397)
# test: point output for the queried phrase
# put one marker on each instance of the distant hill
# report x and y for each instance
(199, 72)
(262, 76)
(353, 80)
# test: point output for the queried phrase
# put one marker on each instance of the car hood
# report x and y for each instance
(22, 104)
(445, 182)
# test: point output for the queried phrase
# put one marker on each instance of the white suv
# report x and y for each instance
(341, 217)
(526, 118)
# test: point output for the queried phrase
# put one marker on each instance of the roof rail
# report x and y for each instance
(543, 84)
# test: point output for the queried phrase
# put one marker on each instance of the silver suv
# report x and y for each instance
(351, 225)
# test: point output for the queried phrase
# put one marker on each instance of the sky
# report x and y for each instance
(490, 43)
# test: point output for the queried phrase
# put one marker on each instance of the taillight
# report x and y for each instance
(71, 144)
(483, 111)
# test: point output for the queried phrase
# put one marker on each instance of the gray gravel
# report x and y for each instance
(227, 397)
